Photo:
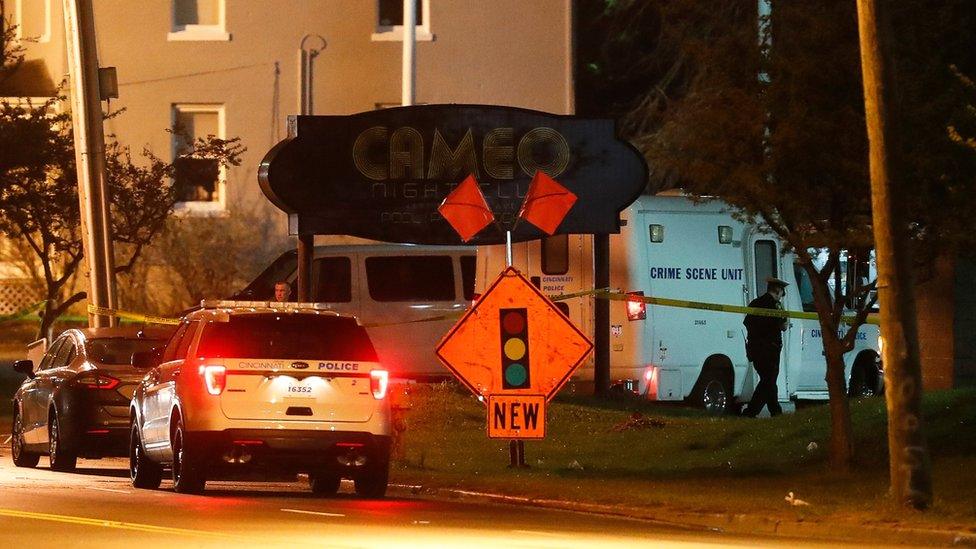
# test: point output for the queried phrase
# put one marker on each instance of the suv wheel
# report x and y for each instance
(372, 484)
(187, 477)
(324, 484)
(143, 471)
(62, 458)
(18, 448)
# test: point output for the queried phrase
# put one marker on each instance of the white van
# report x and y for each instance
(393, 289)
(672, 247)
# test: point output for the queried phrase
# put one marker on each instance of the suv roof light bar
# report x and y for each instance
(287, 305)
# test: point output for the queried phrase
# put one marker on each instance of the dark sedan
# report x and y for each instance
(75, 402)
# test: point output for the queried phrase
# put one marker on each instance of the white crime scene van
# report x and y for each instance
(672, 247)
(407, 296)
(263, 389)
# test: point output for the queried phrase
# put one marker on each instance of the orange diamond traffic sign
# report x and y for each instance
(514, 341)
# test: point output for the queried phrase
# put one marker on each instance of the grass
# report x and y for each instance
(680, 459)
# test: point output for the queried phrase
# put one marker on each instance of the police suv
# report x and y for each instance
(245, 388)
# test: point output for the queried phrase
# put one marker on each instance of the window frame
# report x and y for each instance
(394, 33)
(202, 207)
(199, 33)
(372, 290)
(761, 284)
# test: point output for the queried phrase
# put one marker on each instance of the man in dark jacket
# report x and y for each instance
(763, 347)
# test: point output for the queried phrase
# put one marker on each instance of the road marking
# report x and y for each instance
(538, 533)
(109, 490)
(320, 513)
(133, 526)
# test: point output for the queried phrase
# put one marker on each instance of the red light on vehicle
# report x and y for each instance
(98, 382)
(97, 431)
(349, 445)
(636, 308)
(216, 378)
(247, 443)
(379, 380)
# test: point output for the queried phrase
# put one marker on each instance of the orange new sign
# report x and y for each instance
(518, 416)
(514, 341)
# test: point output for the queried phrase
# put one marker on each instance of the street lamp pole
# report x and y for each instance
(86, 118)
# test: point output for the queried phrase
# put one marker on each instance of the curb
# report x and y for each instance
(728, 523)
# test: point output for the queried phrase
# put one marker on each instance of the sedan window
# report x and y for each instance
(65, 354)
(50, 354)
(118, 350)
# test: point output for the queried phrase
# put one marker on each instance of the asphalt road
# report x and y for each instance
(97, 507)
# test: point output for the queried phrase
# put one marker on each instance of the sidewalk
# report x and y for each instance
(732, 523)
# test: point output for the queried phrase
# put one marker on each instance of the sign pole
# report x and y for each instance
(516, 447)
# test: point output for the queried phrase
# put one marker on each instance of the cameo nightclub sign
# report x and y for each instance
(382, 174)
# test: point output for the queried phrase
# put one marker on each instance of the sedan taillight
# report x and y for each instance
(215, 378)
(378, 382)
(96, 381)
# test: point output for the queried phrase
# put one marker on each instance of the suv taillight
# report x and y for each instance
(215, 378)
(96, 381)
(378, 382)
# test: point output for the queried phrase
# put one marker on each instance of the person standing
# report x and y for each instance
(282, 291)
(764, 345)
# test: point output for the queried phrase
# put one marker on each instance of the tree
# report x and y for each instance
(39, 194)
(790, 147)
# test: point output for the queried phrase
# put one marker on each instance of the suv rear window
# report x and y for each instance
(287, 336)
(416, 278)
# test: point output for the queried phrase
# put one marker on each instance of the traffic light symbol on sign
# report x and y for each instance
(515, 348)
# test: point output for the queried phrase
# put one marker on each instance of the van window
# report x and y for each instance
(804, 287)
(555, 254)
(468, 263)
(332, 280)
(766, 261)
(418, 278)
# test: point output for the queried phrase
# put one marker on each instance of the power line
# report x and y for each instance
(192, 74)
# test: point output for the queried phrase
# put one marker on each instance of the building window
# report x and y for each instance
(555, 254)
(33, 20)
(199, 182)
(198, 20)
(389, 20)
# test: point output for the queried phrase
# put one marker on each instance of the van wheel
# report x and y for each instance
(324, 484)
(713, 392)
(143, 471)
(187, 477)
(62, 458)
(18, 448)
(864, 377)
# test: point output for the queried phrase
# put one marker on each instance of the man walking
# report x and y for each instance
(763, 347)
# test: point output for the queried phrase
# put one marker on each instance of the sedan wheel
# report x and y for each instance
(18, 448)
(62, 459)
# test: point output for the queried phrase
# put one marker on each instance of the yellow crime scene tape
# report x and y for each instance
(600, 293)
(607, 293)
(135, 317)
(23, 313)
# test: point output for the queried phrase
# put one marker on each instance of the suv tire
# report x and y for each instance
(144, 472)
(372, 484)
(187, 476)
(324, 484)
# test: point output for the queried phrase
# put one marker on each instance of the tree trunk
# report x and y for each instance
(841, 429)
(909, 466)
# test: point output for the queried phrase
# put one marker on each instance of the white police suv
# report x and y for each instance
(263, 389)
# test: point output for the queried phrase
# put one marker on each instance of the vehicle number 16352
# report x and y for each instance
(299, 389)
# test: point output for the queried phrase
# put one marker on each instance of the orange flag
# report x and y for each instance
(546, 203)
(466, 210)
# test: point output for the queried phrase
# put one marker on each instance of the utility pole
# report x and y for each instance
(408, 92)
(909, 463)
(86, 118)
